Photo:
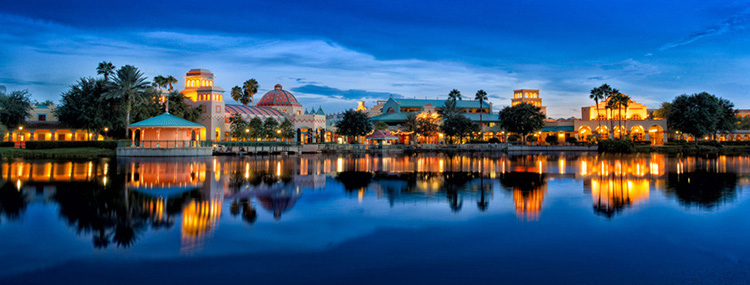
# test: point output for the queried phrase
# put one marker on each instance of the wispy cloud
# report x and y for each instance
(735, 22)
(355, 94)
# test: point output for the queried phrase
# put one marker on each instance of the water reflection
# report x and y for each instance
(117, 202)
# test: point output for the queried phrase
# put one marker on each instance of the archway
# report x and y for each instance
(137, 137)
(638, 133)
(620, 132)
(584, 133)
(603, 132)
(218, 133)
(656, 135)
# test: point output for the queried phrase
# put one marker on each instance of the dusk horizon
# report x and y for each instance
(335, 54)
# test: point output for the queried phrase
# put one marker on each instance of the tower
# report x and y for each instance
(200, 90)
(530, 96)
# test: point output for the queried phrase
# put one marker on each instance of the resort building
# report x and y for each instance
(395, 111)
(610, 123)
(278, 104)
(42, 125)
(529, 96)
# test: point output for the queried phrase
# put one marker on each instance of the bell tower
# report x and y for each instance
(200, 90)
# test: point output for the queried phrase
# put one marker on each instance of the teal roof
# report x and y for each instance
(390, 117)
(166, 120)
(320, 111)
(558, 129)
(486, 118)
(439, 103)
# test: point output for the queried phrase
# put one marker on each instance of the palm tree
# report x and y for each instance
(455, 95)
(412, 125)
(236, 93)
(159, 81)
(481, 96)
(129, 84)
(169, 81)
(598, 94)
(250, 87)
(105, 67)
(625, 103)
(615, 102)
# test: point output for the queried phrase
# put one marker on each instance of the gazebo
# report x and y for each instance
(165, 130)
(381, 135)
(165, 135)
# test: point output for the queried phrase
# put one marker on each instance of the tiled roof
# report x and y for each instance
(166, 120)
(278, 97)
(252, 110)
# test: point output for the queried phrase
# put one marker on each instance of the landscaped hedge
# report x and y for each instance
(70, 144)
(616, 146)
(7, 144)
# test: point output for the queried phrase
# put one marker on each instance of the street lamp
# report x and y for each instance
(106, 129)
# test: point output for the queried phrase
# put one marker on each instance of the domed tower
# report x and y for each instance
(200, 90)
(282, 100)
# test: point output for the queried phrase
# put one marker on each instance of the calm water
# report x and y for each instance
(375, 219)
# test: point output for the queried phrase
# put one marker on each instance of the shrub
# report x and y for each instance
(571, 140)
(531, 138)
(494, 140)
(551, 139)
(616, 146)
(473, 141)
(70, 144)
(7, 144)
(514, 138)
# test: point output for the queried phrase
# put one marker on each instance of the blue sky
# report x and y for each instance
(333, 53)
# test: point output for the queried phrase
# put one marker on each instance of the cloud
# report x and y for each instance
(735, 22)
(354, 94)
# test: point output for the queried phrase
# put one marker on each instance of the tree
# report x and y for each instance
(287, 129)
(380, 126)
(354, 123)
(523, 119)
(3, 131)
(106, 68)
(130, 84)
(83, 106)
(598, 94)
(256, 127)
(481, 96)
(615, 101)
(244, 94)
(179, 107)
(454, 95)
(663, 110)
(170, 80)
(270, 126)
(728, 118)
(15, 107)
(159, 82)
(238, 127)
(412, 125)
(743, 123)
(427, 127)
(459, 126)
(449, 109)
(697, 114)
(47, 103)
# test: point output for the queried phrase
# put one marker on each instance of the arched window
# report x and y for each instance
(636, 117)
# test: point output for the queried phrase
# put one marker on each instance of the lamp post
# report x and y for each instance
(247, 131)
(278, 132)
(106, 129)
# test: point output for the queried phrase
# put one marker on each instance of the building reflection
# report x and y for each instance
(118, 201)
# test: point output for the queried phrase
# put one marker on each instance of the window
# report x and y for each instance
(42, 117)
(218, 109)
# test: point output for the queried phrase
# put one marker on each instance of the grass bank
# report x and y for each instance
(80, 152)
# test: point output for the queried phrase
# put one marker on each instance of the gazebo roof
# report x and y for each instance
(165, 120)
(381, 135)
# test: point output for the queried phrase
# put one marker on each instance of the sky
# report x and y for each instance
(333, 53)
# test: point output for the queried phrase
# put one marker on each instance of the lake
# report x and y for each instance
(370, 219)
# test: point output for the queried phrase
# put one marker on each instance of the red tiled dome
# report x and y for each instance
(278, 97)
